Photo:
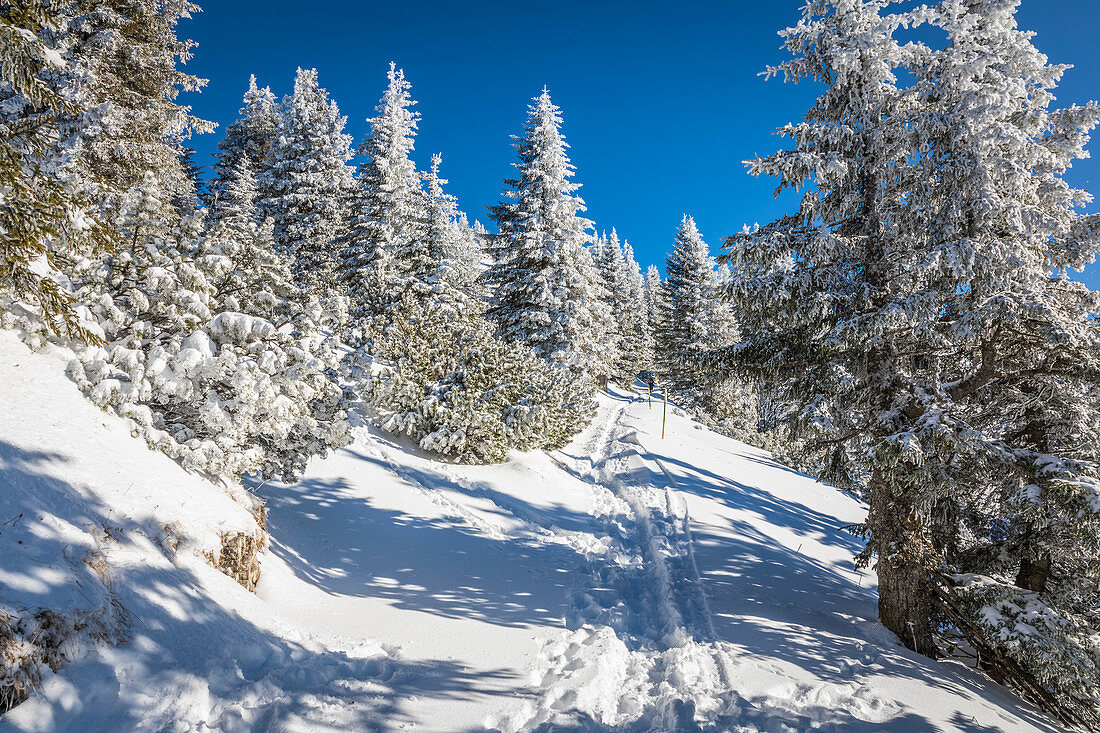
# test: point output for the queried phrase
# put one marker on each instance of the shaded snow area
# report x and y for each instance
(626, 582)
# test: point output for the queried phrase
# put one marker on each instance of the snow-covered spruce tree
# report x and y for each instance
(617, 293)
(258, 279)
(639, 331)
(124, 79)
(596, 336)
(434, 270)
(223, 391)
(250, 278)
(448, 381)
(310, 180)
(469, 256)
(449, 256)
(1019, 360)
(693, 322)
(235, 209)
(381, 248)
(652, 292)
(40, 213)
(689, 328)
(251, 137)
(543, 281)
(731, 400)
(833, 315)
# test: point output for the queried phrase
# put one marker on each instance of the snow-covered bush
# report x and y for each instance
(205, 351)
(462, 392)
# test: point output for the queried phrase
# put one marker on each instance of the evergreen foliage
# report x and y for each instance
(449, 261)
(653, 294)
(545, 289)
(915, 316)
(310, 180)
(621, 293)
(383, 253)
(203, 351)
(638, 330)
(123, 76)
(250, 137)
(462, 392)
(693, 320)
(41, 215)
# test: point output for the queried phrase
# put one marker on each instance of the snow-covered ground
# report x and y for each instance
(626, 582)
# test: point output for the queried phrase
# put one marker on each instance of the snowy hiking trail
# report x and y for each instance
(624, 582)
(621, 583)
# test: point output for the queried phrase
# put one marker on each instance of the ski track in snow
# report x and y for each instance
(642, 653)
(645, 659)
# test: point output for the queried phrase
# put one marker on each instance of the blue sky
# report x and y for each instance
(662, 101)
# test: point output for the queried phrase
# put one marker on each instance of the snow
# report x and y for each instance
(625, 582)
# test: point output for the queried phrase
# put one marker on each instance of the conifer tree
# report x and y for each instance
(235, 209)
(723, 318)
(689, 330)
(204, 349)
(543, 280)
(596, 329)
(41, 215)
(638, 336)
(250, 137)
(460, 391)
(652, 290)
(310, 180)
(607, 257)
(124, 76)
(381, 249)
(470, 257)
(621, 293)
(1017, 355)
(826, 335)
(448, 275)
(914, 315)
(449, 382)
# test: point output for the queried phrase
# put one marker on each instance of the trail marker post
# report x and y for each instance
(664, 415)
(650, 395)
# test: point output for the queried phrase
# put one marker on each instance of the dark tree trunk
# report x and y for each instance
(1034, 563)
(1034, 573)
(905, 601)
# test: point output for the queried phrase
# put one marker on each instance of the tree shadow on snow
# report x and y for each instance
(760, 714)
(337, 540)
(188, 656)
(747, 715)
(792, 515)
(779, 606)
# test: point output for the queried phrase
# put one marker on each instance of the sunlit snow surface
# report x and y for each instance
(626, 582)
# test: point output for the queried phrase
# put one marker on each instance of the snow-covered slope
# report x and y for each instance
(625, 582)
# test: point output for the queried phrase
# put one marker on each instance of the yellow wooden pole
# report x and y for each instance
(664, 415)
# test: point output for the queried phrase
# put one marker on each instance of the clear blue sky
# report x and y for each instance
(661, 100)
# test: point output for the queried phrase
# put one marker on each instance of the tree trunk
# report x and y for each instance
(904, 593)
(1034, 563)
(1034, 572)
